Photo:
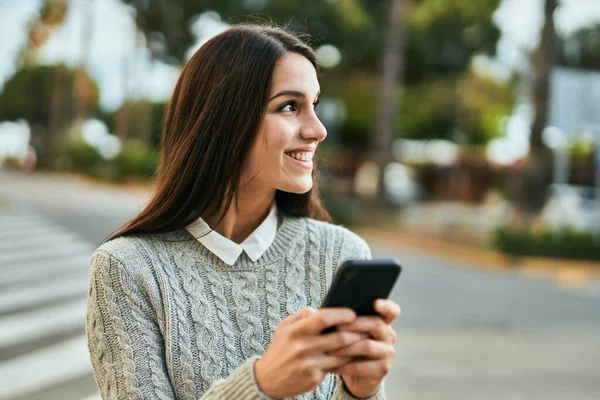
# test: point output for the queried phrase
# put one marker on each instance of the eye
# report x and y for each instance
(288, 107)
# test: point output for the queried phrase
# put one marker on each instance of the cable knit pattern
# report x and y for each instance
(294, 276)
(182, 365)
(201, 310)
(118, 320)
(313, 267)
(246, 301)
(314, 286)
(161, 388)
(97, 340)
(271, 287)
(168, 319)
(153, 350)
(228, 338)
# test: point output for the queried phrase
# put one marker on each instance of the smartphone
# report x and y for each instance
(358, 283)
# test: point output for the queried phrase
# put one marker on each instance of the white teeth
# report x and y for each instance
(303, 156)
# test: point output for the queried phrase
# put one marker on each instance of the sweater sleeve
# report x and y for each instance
(127, 349)
(354, 248)
(342, 394)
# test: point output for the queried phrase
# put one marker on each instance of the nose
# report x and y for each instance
(313, 129)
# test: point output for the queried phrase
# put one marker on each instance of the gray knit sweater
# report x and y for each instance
(167, 319)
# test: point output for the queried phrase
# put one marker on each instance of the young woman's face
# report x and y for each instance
(281, 157)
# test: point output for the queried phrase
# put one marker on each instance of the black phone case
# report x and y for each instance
(358, 283)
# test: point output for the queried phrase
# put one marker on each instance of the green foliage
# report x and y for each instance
(137, 159)
(580, 49)
(143, 120)
(83, 157)
(445, 34)
(581, 151)
(565, 243)
(474, 105)
(432, 109)
(348, 23)
(442, 37)
(482, 105)
(344, 210)
(442, 34)
(29, 95)
(428, 110)
(361, 101)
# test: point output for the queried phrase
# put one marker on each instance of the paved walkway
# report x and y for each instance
(43, 291)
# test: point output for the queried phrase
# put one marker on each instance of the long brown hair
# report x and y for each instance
(212, 120)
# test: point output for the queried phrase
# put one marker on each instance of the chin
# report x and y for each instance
(299, 188)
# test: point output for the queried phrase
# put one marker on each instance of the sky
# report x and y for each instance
(120, 68)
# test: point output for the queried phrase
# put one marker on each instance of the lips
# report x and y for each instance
(301, 155)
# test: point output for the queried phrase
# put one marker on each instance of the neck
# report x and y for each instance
(243, 217)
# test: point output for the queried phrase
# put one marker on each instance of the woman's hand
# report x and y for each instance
(297, 359)
(372, 357)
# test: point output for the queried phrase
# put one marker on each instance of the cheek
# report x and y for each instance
(279, 136)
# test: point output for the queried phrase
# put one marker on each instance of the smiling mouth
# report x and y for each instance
(303, 156)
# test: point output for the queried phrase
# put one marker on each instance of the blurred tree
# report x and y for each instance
(345, 23)
(392, 63)
(83, 86)
(29, 94)
(480, 105)
(441, 108)
(144, 121)
(445, 34)
(359, 94)
(52, 14)
(442, 37)
(530, 192)
(433, 109)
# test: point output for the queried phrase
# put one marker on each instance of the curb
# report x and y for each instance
(568, 272)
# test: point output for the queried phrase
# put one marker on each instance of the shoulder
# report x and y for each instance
(126, 254)
(351, 245)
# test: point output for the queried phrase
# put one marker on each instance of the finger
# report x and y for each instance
(387, 309)
(328, 362)
(374, 326)
(376, 369)
(298, 315)
(371, 349)
(325, 318)
(335, 341)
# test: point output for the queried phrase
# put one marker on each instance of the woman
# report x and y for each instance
(210, 292)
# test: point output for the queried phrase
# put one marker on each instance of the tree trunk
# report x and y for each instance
(82, 81)
(392, 61)
(50, 142)
(542, 68)
(536, 175)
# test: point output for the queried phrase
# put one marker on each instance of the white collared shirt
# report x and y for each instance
(227, 250)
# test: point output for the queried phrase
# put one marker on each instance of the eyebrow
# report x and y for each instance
(293, 93)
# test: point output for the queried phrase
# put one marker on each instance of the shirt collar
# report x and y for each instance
(227, 250)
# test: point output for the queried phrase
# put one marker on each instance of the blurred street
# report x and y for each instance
(464, 333)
